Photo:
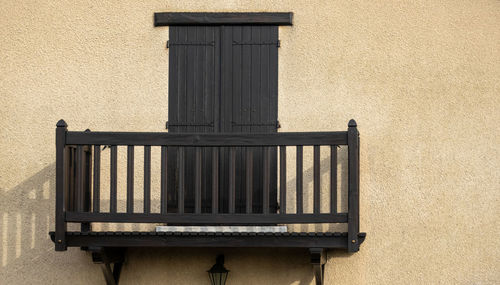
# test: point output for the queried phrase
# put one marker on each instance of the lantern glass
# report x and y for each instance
(218, 273)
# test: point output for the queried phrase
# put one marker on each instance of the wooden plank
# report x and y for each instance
(207, 139)
(196, 18)
(333, 179)
(147, 179)
(163, 182)
(215, 180)
(212, 240)
(79, 179)
(299, 179)
(197, 182)
(113, 179)
(180, 201)
(249, 179)
(220, 219)
(130, 179)
(96, 201)
(266, 180)
(232, 179)
(353, 185)
(282, 179)
(60, 227)
(317, 180)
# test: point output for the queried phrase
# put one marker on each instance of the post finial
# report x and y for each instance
(352, 124)
(61, 123)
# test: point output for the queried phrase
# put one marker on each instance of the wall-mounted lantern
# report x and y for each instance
(218, 273)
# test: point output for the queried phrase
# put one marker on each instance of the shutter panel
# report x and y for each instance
(193, 103)
(249, 101)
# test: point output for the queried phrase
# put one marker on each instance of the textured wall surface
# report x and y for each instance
(420, 77)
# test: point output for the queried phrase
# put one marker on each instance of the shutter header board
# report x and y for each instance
(184, 19)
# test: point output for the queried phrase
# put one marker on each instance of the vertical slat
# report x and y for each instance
(87, 164)
(353, 185)
(181, 181)
(147, 179)
(113, 179)
(266, 180)
(197, 182)
(97, 179)
(299, 190)
(317, 179)
(232, 179)
(249, 179)
(60, 234)
(130, 179)
(333, 179)
(215, 180)
(283, 179)
(163, 185)
(79, 178)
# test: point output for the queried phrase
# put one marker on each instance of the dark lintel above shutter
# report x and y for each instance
(184, 19)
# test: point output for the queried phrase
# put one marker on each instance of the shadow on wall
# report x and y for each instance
(27, 215)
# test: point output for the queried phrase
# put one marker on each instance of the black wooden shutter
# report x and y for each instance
(223, 79)
(194, 76)
(249, 100)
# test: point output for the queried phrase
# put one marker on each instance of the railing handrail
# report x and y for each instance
(206, 139)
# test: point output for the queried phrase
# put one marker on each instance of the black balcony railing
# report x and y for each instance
(78, 175)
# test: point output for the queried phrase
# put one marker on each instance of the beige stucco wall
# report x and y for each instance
(420, 77)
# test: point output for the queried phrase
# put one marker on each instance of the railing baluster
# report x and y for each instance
(333, 179)
(79, 178)
(317, 180)
(282, 179)
(215, 180)
(147, 179)
(130, 179)
(249, 179)
(181, 181)
(232, 179)
(97, 180)
(163, 186)
(266, 180)
(197, 181)
(299, 191)
(113, 178)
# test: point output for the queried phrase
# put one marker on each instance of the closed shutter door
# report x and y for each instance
(193, 107)
(249, 101)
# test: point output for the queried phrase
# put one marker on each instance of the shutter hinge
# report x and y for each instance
(279, 43)
(168, 45)
(167, 125)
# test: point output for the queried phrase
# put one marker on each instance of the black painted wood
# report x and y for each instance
(198, 178)
(96, 207)
(113, 179)
(130, 179)
(190, 218)
(353, 185)
(299, 180)
(215, 180)
(333, 179)
(163, 181)
(219, 240)
(185, 18)
(147, 179)
(61, 190)
(316, 180)
(249, 180)
(79, 179)
(207, 139)
(283, 179)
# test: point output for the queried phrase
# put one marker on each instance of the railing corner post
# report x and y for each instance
(353, 182)
(60, 231)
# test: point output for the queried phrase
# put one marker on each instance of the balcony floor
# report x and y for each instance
(204, 239)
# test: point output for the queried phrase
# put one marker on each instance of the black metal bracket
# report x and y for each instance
(167, 125)
(277, 43)
(169, 44)
(318, 261)
(276, 124)
(105, 257)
